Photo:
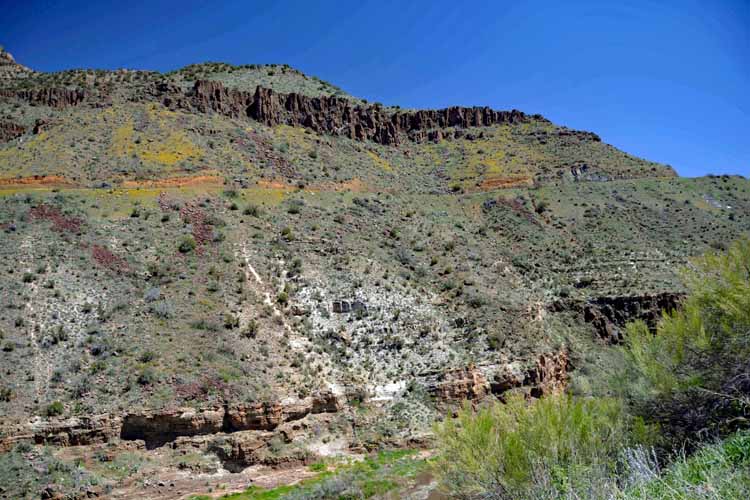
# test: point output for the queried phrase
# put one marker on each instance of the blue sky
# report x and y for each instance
(668, 81)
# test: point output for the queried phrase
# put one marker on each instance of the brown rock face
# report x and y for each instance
(333, 115)
(157, 429)
(458, 385)
(160, 428)
(548, 375)
(74, 431)
(268, 416)
(53, 97)
(9, 131)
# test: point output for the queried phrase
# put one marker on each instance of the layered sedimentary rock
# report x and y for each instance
(333, 115)
(159, 428)
(73, 431)
(548, 374)
(458, 385)
(268, 416)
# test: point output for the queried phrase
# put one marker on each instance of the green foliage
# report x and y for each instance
(699, 352)
(718, 471)
(54, 409)
(713, 324)
(522, 450)
(187, 244)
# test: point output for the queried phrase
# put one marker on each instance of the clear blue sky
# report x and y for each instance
(668, 80)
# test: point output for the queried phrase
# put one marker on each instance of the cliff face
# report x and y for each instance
(54, 97)
(333, 115)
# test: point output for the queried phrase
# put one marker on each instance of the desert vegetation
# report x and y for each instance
(675, 426)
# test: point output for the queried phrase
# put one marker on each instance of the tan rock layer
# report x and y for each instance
(333, 115)
(548, 375)
(159, 428)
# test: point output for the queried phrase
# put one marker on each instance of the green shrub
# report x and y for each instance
(689, 374)
(187, 244)
(532, 450)
(54, 409)
(251, 210)
(716, 471)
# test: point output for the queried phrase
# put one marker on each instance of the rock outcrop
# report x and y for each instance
(608, 315)
(54, 97)
(548, 375)
(157, 429)
(73, 431)
(9, 68)
(332, 115)
(458, 385)
(10, 130)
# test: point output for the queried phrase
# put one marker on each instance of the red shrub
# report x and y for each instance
(105, 258)
(192, 214)
(60, 222)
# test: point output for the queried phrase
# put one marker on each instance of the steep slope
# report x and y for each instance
(299, 267)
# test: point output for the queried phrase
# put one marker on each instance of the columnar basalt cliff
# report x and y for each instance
(54, 97)
(333, 115)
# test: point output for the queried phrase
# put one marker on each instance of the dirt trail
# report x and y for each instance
(252, 276)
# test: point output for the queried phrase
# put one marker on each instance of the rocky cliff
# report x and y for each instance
(333, 115)
(54, 97)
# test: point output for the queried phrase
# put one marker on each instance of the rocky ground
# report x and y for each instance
(230, 273)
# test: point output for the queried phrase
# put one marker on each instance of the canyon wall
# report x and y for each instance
(333, 115)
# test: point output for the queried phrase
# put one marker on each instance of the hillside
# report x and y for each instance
(256, 268)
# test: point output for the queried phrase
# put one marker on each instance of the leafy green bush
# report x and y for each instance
(550, 447)
(692, 374)
(187, 244)
(54, 409)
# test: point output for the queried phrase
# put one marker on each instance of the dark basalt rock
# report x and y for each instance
(333, 115)
(609, 315)
(54, 97)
